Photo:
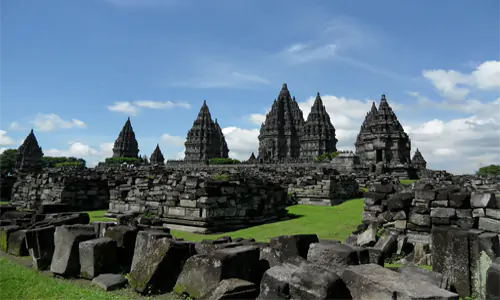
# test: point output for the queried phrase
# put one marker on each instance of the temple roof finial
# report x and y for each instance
(284, 87)
(383, 97)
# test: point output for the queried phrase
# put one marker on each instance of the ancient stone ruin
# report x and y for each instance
(126, 144)
(29, 154)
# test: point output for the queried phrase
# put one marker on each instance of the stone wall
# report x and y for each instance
(324, 190)
(199, 202)
(76, 189)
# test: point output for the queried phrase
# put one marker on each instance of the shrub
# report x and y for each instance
(323, 156)
(223, 161)
(220, 177)
(121, 160)
(70, 164)
(489, 170)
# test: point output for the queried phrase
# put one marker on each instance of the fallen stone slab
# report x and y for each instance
(110, 282)
(294, 245)
(233, 288)
(202, 273)
(418, 273)
(492, 280)
(157, 270)
(483, 200)
(125, 237)
(143, 243)
(375, 282)
(101, 227)
(275, 283)
(98, 256)
(5, 232)
(17, 243)
(332, 256)
(66, 259)
(40, 244)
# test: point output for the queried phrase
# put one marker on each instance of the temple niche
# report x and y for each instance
(29, 154)
(418, 161)
(126, 144)
(382, 138)
(156, 157)
(318, 133)
(205, 139)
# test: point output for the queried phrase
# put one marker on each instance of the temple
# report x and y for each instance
(418, 161)
(382, 139)
(205, 139)
(30, 154)
(286, 137)
(126, 144)
(156, 157)
(279, 137)
(318, 133)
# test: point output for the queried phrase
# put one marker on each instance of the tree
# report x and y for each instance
(489, 170)
(8, 160)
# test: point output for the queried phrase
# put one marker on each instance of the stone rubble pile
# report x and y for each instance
(288, 267)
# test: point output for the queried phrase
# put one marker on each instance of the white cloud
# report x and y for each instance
(161, 105)
(80, 150)
(132, 108)
(223, 79)
(4, 139)
(173, 140)
(48, 122)
(241, 142)
(304, 53)
(455, 85)
(124, 107)
(257, 119)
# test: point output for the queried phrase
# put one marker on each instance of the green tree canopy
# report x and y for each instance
(489, 170)
(8, 160)
(56, 161)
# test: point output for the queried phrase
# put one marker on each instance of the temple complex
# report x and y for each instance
(126, 144)
(156, 157)
(418, 161)
(30, 154)
(382, 139)
(318, 133)
(205, 139)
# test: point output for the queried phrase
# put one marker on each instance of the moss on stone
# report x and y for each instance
(3, 240)
(181, 289)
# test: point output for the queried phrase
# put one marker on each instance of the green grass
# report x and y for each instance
(395, 266)
(19, 282)
(407, 181)
(98, 215)
(4, 202)
(335, 223)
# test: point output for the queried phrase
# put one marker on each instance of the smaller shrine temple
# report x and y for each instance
(156, 157)
(126, 144)
(418, 161)
(30, 154)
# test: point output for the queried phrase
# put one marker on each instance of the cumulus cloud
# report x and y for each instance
(4, 139)
(172, 140)
(80, 150)
(456, 86)
(241, 142)
(48, 122)
(133, 108)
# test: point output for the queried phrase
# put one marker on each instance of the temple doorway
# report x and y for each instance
(378, 155)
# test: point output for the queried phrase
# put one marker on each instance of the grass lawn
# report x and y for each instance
(408, 181)
(98, 215)
(4, 202)
(330, 222)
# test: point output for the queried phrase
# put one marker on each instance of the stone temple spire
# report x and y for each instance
(318, 134)
(205, 139)
(29, 156)
(418, 161)
(156, 157)
(224, 150)
(382, 138)
(126, 144)
(280, 133)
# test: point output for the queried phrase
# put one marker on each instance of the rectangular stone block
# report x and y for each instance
(493, 213)
(177, 211)
(427, 195)
(442, 212)
(489, 224)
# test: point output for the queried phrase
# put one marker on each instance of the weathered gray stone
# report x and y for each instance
(492, 279)
(110, 282)
(40, 244)
(493, 213)
(98, 256)
(332, 256)
(368, 237)
(441, 212)
(489, 224)
(294, 245)
(232, 288)
(483, 200)
(66, 259)
(420, 220)
(143, 243)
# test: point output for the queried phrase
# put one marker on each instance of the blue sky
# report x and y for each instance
(74, 71)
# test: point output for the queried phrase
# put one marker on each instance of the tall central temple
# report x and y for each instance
(285, 136)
